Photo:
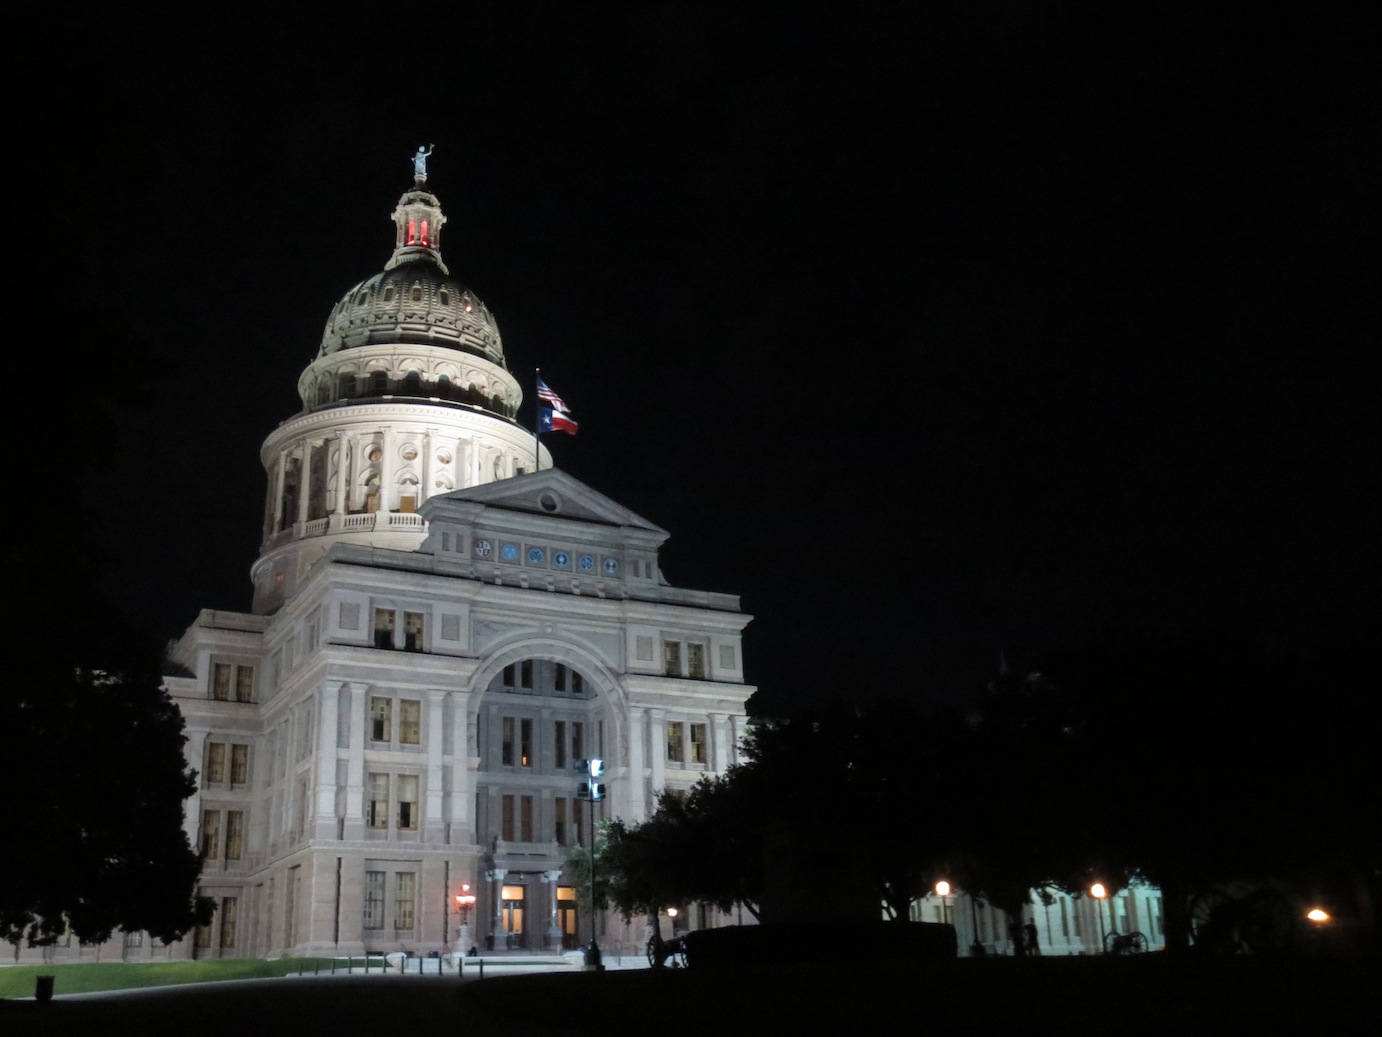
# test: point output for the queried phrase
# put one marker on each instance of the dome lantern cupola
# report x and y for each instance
(418, 221)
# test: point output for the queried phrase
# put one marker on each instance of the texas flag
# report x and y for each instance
(549, 420)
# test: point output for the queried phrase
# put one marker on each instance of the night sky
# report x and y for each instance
(934, 331)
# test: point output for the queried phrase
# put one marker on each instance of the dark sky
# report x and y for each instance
(934, 331)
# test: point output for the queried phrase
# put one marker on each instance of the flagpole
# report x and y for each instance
(537, 420)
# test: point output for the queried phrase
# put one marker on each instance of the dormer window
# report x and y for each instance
(417, 293)
(388, 294)
(445, 297)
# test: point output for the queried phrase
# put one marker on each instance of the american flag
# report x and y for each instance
(548, 396)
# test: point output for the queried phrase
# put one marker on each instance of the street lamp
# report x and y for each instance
(465, 900)
(672, 914)
(1098, 892)
(943, 891)
(592, 791)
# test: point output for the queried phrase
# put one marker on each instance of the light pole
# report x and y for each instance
(465, 900)
(592, 791)
(943, 891)
(1098, 892)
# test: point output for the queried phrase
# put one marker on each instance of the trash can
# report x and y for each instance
(43, 988)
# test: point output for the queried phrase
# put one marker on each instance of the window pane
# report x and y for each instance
(244, 684)
(220, 682)
(377, 815)
(215, 763)
(211, 834)
(561, 745)
(506, 821)
(381, 719)
(506, 745)
(671, 658)
(235, 834)
(409, 721)
(695, 660)
(229, 909)
(526, 819)
(407, 801)
(374, 900)
(412, 631)
(405, 883)
(525, 748)
(239, 764)
(676, 750)
(698, 735)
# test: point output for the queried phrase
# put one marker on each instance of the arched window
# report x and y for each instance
(345, 386)
(388, 294)
(378, 382)
(417, 293)
(424, 233)
(412, 383)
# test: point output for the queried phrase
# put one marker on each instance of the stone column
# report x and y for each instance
(550, 879)
(338, 506)
(385, 469)
(280, 477)
(355, 765)
(638, 805)
(433, 824)
(327, 713)
(719, 742)
(425, 489)
(657, 740)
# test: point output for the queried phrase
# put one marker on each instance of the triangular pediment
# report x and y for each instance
(552, 494)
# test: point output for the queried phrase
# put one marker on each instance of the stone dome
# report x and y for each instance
(414, 300)
(413, 303)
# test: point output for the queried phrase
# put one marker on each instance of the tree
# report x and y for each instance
(103, 780)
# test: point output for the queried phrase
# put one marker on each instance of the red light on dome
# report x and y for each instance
(412, 233)
(424, 232)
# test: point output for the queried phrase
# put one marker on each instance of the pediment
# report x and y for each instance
(552, 494)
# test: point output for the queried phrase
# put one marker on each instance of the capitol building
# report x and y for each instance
(443, 626)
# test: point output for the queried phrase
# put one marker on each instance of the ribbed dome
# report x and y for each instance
(415, 302)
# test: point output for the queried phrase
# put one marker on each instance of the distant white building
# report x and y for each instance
(1067, 925)
(442, 626)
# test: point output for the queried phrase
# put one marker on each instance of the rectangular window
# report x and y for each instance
(525, 674)
(577, 684)
(559, 681)
(244, 684)
(698, 747)
(577, 740)
(1064, 920)
(409, 722)
(220, 682)
(559, 825)
(215, 763)
(381, 719)
(374, 900)
(506, 742)
(671, 658)
(377, 815)
(235, 834)
(695, 660)
(239, 764)
(525, 817)
(508, 675)
(577, 821)
(229, 909)
(407, 802)
(405, 894)
(412, 631)
(506, 819)
(211, 834)
(383, 628)
(525, 743)
(676, 745)
(561, 745)
(203, 937)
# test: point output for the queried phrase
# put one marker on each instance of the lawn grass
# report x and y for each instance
(83, 977)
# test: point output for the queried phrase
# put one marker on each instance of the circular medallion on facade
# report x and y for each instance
(611, 566)
(509, 553)
(483, 548)
(409, 452)
(586, 563)
(561, 558)
(536, 556)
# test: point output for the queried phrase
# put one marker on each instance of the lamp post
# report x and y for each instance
(1098, 892)
(592, 791)
(943, 891)
(465, 900)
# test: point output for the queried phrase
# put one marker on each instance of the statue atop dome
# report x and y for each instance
(420, 161)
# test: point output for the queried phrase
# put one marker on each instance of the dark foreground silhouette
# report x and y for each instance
(1150, 994)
